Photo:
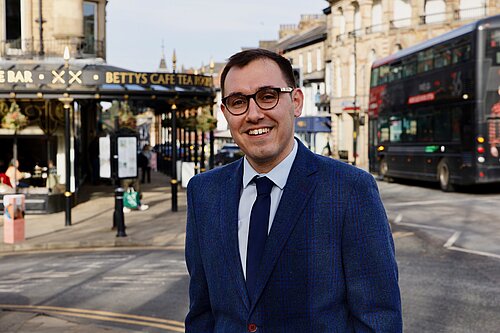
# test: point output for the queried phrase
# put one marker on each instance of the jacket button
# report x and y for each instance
(252, 328)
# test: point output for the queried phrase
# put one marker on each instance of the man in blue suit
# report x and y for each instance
(284, 240)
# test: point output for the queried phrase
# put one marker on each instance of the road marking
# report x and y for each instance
(144, 321)
(421, 203)
(452, 239)
(449, 243)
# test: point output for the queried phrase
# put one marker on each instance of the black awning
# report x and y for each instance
(52, 80)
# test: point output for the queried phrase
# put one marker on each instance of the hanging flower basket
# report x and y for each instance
(126, 116)
(205, 121)
(14, 119)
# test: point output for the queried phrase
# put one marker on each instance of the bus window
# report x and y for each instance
(374, 79)
(493, 46)
(396, 72)
(442, 125)
(442, 58)
(425, 60)
(395, 130)
(383, 130)
(425, 131)
(456, 115)
(409, 66)
(383, 74)
(461, 53)
(409, 129)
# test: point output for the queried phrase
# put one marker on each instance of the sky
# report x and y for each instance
(198, 30)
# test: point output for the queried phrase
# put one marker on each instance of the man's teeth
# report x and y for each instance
(258, 131)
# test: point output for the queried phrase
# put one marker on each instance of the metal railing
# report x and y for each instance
(374, 28)
(400, 23)
(464, 14)
(433, 18)
(29, 48)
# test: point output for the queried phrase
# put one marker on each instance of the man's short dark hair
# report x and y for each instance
(243, 58)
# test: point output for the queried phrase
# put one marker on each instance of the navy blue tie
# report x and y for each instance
(257, 234)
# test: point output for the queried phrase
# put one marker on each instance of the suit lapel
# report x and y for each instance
(230, 192)
(300, 185)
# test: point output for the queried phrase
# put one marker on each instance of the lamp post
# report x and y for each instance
(211, 160)
(67, 100)
(173, 181)
(355, 115)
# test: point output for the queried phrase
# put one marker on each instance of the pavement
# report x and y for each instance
(91, 228)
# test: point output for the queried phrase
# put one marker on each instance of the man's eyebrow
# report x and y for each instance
(240, 93)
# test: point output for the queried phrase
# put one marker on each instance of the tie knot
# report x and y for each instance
(264, 185)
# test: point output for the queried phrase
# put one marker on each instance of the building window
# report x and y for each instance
(352, 76)
(338, 79)
(376, 16)
(319, 60)
(89, 26)
(309, 62)
(357, 17)
(435, 11)
(472, 8)
(13, 25)
(402, 13)
(340, 14)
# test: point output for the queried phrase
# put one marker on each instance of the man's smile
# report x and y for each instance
(259, 131)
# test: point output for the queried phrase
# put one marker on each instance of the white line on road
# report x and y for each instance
(449, 243)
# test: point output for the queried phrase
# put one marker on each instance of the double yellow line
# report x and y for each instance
(144, 321)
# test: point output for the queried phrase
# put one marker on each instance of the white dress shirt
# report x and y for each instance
(279, 175)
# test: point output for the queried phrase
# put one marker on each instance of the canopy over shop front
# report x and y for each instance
(54, 89)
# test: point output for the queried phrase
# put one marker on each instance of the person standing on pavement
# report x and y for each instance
(145, 163)
(284, 240)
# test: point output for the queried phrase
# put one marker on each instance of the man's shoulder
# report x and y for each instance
(215, 176)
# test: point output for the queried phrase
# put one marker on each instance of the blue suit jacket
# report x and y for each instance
(328, 263)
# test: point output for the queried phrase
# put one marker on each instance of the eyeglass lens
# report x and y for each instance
(265, 98)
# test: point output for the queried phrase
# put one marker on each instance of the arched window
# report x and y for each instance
(340, 14)
(435, 11)
(376, 16)
(402, 13)
(398, 47)
(472, 8)
(13, 26)
(357, 17)
(352, 75)
(338, 78)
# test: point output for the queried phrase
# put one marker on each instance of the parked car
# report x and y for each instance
(228, 153)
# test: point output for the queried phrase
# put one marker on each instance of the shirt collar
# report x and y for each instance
(279, 174)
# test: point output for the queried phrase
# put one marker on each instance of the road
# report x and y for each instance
(447, 250)
(463, 221)
(140, 290)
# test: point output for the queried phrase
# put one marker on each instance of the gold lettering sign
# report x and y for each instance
(81, 77)
(16, 76)
(158, 78)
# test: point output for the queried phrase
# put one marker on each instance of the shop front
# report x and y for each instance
(53, 113)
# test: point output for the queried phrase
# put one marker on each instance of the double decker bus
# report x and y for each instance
(434, 109)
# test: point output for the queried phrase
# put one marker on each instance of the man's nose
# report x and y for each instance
(254, 112)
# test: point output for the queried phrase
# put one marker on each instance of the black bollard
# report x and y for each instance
(119, 219)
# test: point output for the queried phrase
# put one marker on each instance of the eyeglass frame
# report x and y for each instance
(253, 96)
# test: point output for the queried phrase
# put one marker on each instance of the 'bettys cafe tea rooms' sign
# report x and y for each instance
(71, 76)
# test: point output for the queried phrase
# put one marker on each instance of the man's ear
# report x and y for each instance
(224, 111)
(298, 102)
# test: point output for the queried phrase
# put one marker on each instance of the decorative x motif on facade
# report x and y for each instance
(58, 77)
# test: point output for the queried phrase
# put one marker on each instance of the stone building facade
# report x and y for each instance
(360, 32)
(36, 29)
(304, 45)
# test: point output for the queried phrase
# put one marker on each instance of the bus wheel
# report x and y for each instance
(443, 175)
